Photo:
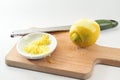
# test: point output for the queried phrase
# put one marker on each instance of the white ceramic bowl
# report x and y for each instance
(31, 37)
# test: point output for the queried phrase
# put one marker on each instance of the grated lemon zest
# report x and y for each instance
(38, 46)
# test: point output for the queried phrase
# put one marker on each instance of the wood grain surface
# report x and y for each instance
(67, 59)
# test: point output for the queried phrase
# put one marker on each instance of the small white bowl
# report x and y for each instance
(31, 37)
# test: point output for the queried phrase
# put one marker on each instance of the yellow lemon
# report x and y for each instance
(84, 33)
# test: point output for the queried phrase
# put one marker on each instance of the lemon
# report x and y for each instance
(84, 32)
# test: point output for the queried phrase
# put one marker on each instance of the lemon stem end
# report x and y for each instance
(74, 37)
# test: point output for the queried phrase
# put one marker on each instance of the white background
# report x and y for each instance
(21, 14)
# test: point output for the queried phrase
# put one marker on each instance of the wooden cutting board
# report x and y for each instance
(67, 59)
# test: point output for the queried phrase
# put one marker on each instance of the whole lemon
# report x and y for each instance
(84, 33)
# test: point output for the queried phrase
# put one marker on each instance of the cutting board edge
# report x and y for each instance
(49, 70)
